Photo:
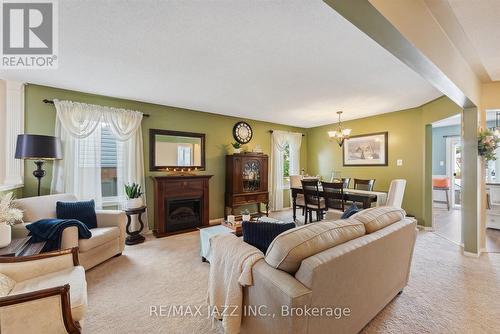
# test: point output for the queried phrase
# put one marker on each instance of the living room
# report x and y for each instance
(204, 138)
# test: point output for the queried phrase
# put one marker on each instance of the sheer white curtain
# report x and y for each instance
(278, 143)
(294, 140)
(279, 140)
(79, 127)
(79, 172)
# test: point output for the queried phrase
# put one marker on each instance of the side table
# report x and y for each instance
(134, 237)
(22, 247)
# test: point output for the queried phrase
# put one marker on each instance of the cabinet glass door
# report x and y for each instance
(251, 176)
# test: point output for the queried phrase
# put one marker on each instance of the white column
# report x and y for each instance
(14, 121)
(3, 126)
(471, 166)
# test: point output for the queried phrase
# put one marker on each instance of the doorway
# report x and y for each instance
(454, 165)
(492, 187)
(447, 178)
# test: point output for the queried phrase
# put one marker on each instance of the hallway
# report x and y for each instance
(447, 225)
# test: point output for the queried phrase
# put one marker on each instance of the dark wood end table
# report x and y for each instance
(22, 247)
(135, 237)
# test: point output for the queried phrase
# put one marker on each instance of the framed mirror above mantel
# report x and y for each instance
(176, 150)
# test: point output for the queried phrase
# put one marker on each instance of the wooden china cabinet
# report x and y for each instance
(246, 181)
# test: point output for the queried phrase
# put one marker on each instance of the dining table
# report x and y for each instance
(367, 198)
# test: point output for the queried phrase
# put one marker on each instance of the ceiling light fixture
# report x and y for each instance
(340, 134)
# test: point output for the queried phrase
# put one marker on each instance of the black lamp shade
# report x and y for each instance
(38, 147)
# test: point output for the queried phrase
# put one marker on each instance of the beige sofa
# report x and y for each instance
(107, 240)
(351, 268)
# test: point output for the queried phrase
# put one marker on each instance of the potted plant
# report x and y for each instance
(9, 215)
(134, 193)
(236, 147)
(487, 143)
(245, 215)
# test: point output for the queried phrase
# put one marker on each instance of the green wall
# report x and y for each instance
(40, 119)
(406, 142)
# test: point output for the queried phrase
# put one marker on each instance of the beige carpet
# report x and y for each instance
(447, 293)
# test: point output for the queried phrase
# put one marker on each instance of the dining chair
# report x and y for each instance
(396, 193)
(313, 200)
(360, 184)
(333, 193)
(296, 182)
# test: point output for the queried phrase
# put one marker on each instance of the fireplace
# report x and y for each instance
(182, 214)
(181, 203)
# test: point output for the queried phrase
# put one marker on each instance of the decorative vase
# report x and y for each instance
(237, 150)
(133, 203)
(246, 218)
(5, 235)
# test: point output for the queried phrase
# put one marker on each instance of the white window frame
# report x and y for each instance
(11, 125)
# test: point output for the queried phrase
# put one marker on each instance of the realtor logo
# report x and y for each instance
(29, 34)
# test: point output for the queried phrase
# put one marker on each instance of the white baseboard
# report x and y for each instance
(470, 254)
(216, 221)
(425, 228)
(284, 209)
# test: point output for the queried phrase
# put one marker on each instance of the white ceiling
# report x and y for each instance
(452, 120)
(289, 62)
(481, 23)
(457, 119)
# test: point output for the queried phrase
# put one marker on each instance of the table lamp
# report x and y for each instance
(38, 148)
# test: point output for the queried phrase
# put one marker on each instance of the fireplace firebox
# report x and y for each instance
(182, 214)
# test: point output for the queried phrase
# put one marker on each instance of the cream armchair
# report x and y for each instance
(107, 240)
(49, 296)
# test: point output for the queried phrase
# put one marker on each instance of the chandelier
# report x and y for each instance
(340, 134)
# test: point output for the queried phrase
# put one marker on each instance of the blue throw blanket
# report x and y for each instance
(51, 230)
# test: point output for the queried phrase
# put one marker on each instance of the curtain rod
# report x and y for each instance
(271, 131)
(52, 102)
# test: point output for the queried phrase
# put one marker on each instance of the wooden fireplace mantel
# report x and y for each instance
(167, 187)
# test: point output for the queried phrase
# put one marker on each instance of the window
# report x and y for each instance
(105, 158)
(184, 154)
(286, 166)
(109, 164)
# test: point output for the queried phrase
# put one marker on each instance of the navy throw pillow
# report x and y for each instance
(83, 211)
(260, 234)
(350, 211)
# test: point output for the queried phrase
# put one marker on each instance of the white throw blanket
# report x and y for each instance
(231, 262)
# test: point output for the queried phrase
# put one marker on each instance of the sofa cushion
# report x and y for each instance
(261, 234)
(83, 211)
(287, 251)
(74, 276)
(377, 218)
(100, 236)
(6, 285)
(41, 207)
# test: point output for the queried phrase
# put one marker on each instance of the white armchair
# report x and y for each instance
(107, 240)
(49, 296)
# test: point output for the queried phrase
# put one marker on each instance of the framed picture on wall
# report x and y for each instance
(366, 150)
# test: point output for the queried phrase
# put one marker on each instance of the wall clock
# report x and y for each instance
(242, 132)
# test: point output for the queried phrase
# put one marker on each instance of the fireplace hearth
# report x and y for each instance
(182, 214)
